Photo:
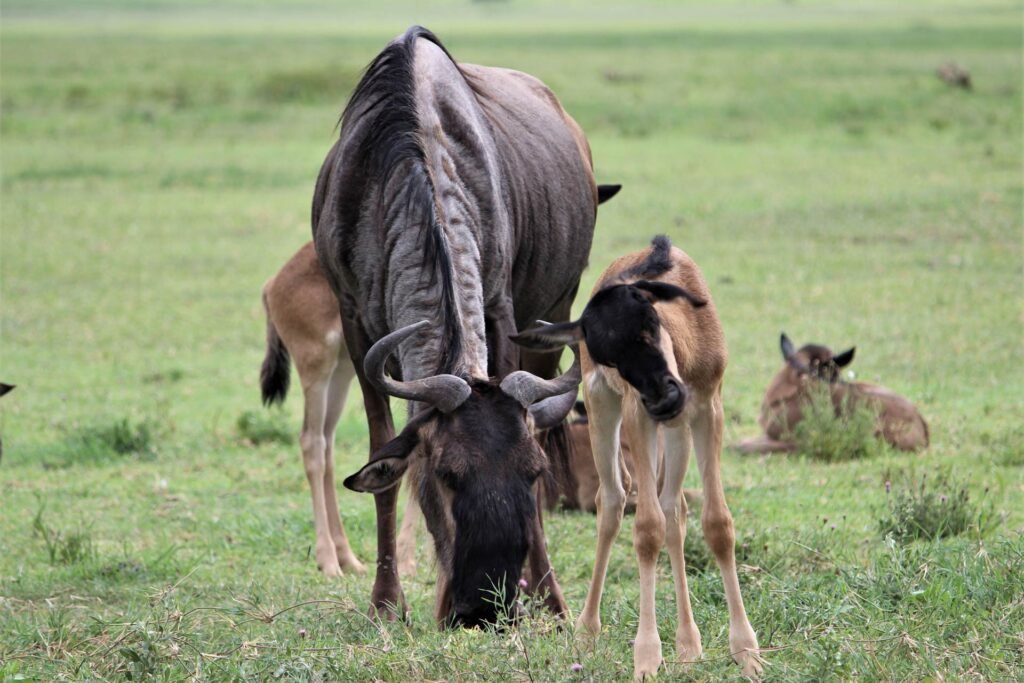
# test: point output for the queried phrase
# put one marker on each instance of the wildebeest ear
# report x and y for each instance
(787, 347)
(388, 464)
(379, 475)
(663, 291)
(4, 388)
(550, 337)
(606, 192)
(843, 359)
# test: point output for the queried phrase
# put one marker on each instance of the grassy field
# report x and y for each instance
(158, 160)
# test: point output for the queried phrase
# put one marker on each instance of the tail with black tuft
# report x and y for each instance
(275, 374)
(659, 261)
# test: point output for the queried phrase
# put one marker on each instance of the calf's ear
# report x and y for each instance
(843, 359)
(549, 337)
(663, 291)
(787, 347)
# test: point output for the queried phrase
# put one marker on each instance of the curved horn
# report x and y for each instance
(528, 389)
(551, 411)
(444, 392)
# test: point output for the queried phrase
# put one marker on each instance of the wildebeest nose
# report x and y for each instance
(670, 403)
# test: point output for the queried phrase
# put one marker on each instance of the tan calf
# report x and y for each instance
(303, 322)
(898, 422)
(653, 358)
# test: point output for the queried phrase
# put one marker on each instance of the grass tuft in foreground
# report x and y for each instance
(935, 508)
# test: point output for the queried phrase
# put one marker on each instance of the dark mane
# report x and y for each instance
(657, 262)
(385, 102)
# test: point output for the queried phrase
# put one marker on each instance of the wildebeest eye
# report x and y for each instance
(447, 477)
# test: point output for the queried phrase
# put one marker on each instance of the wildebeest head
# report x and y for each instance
(815, 360)
(622, 331)
(478, 463)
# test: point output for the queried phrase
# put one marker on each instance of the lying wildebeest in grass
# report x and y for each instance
(898, 421)
(653, 360)
(457, 206)
(576, 488)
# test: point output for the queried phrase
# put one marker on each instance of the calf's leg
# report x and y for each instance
(314, 447)
(719, 534)
(336, 395)
(674, 505)
(605, 411)
(648, 537)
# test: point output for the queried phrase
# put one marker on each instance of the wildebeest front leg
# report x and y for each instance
(541, 578)
(387, 599)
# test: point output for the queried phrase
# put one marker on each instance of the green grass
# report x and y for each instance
(156, 165)
(823, 435)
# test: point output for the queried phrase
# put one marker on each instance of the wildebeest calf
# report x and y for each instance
(898, 421)
(654, 358)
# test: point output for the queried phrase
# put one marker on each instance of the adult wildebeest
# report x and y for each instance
(653, 360)
(457, 206)
(304, 327)
(898, 421)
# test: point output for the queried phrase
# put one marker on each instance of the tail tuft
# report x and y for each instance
(275, 374)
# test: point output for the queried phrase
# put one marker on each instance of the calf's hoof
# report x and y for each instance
(646, 660)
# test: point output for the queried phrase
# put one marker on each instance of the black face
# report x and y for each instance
(485, 457)
(622, 331)
(476, 496)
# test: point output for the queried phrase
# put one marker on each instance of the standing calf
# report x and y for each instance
(898, 421)
(303, 322)
(653, 357)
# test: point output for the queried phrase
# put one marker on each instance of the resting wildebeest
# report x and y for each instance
(898, 421)
(653, 358)
(457, 206)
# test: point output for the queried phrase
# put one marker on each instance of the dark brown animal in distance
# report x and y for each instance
(899, 422)
(456, 207)
(654, 360)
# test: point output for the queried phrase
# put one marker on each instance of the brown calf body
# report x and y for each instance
(654, 357)
(899, 421)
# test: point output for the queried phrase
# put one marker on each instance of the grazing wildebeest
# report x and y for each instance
(653, 358)
(457, 206)
(898, 421)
